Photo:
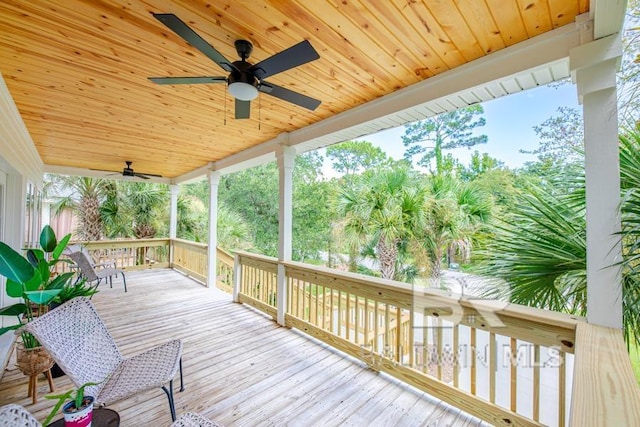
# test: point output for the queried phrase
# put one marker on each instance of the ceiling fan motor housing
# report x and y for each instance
(242, 75)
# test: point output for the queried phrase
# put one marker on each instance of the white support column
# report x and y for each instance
(173, 219)
(214, 180)
(594, 67)
(286, 157)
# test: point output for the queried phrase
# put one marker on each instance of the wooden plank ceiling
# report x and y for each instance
(78, 70)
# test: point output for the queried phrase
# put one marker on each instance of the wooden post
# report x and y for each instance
(286, 156)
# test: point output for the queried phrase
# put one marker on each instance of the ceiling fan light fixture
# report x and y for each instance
(243, 91)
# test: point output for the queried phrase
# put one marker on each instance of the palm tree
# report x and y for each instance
(84, 195)
(456, 214)
(382, 210)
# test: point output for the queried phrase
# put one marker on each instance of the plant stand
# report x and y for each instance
(32, 362)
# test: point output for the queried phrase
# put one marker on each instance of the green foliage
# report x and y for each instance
(541, 253)
(32, 280)
(253, 195)
(352, 157)
(427, 139)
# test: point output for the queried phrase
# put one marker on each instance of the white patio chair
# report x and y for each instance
(16, 416)
(96, 275)
(191, 419)
(80, 343)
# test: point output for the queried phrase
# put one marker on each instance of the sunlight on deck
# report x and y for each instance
(240, 367)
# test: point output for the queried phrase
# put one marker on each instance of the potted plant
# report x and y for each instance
(33, 279)
(78, 409)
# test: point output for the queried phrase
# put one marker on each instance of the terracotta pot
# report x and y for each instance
(32, 361)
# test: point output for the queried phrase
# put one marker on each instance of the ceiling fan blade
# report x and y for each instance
(289, 58)
(103, 170)
(187, 80)
(243, 109)
(176, 25)
(289, 95)
(140, 175)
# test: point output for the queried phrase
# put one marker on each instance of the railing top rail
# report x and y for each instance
(259, 257)
(191, 243)
(118, 241)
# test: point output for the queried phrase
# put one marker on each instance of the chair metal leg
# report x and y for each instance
(172, 406)
(181, 378)
(124, 281)
(111, 281)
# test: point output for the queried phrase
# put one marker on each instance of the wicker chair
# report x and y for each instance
(96, 275)
(191, 419)
(17, 416)
(80, 343)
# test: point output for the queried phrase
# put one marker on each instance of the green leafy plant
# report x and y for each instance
(33, 278)
(75, 395)
(73, 290)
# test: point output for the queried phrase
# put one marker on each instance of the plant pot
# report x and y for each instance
(78, 418)
(32, 361)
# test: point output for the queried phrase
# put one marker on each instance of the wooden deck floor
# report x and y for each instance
(240, 367)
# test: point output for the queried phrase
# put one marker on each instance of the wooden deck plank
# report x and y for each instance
(241, 368)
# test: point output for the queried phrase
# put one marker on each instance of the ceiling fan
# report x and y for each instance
(128, 171)
(245, 80)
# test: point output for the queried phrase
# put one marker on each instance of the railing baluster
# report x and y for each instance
(514, 374)
(492, 367)
(536, 383)
(348, 316)
(455, 354)
(366, 322)
(387, 324)
(425, 343)
(439, 347)
(356, 323)
(562, 391)
(398, 336)
(472, 332)
(376, 329)
(411, 349)
(340, 314)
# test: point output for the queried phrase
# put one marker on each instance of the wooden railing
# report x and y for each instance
(138, 254)
(187, 257)
(191, 259)
(506, 364)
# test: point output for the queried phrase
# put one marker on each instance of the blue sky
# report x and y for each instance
(509, 125)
